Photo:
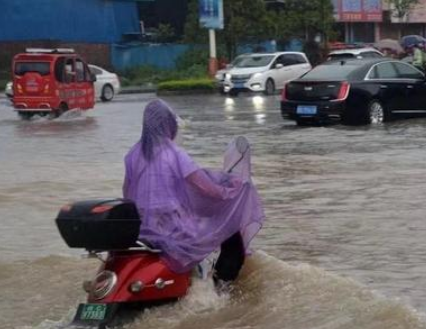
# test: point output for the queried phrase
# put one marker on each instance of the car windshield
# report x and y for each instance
(254, 61)
(43, 68)
(237, 60)
(329, 72)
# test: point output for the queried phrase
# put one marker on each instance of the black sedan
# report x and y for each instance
(356, 92)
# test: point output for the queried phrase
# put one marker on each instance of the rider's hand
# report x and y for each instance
(236, 182)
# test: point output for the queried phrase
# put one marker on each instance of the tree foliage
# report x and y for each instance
(249, 21)
(401, 7)
(165, 33)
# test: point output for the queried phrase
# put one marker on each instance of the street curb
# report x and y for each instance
(137, 90)
(186, 92)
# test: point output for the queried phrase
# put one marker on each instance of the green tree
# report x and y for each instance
(401, 7)
(245, 20)
(250, 21)
(193, 32)
(306, 19)
(165, 33)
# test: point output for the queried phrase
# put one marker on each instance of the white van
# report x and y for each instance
(265, 72)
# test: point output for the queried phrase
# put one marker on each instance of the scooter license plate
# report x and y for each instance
(92, 312)
(306, 110)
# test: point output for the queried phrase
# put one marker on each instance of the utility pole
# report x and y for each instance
(211, 17)
(213, 63)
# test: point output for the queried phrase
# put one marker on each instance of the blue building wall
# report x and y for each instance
(160, 55)
(91, 21)
(165, 55)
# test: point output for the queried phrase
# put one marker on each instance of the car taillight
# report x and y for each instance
(284, 94)
(343, 91)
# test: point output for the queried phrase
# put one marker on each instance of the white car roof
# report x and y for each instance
(274, 54)
(354, 51)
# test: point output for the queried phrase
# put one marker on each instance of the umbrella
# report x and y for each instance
(389, 44)
(411, 40)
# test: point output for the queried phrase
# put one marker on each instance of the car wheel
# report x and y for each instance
(26, 115)
(107, 93)
(375, 113)
(63, 107)
(269, 87)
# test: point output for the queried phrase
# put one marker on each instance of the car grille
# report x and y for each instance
(240, 77)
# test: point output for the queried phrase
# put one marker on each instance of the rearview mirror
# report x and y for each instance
(92, 77)
(279, 66)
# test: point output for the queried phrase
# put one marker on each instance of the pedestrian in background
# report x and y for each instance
(419, 56)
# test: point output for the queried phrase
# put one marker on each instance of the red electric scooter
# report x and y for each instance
(131, 271)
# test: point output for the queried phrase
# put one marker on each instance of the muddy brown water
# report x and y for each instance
(343, 245)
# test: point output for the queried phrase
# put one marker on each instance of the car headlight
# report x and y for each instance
(256, 75)
(228, 76)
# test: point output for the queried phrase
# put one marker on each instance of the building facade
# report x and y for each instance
(372, 20)
(89, 26)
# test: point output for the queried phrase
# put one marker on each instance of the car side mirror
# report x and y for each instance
(279, 66)
(92, 77)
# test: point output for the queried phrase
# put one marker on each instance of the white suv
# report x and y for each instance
(358, 53)
(265, 72)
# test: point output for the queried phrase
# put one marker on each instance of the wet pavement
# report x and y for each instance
(349, 200)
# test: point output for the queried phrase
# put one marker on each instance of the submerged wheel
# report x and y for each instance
(63, 107)
(269, 87)
(375, 113)
(26, 115)
(107, 93)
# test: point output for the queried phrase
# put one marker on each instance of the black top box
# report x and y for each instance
(99, 224)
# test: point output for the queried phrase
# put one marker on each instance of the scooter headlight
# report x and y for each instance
(103, 284)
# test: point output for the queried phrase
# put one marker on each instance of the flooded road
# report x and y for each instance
(343, 244)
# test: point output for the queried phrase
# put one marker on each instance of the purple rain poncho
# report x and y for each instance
(186, 211)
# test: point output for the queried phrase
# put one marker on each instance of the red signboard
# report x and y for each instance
(358, 10)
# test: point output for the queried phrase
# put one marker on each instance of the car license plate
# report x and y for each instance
(306, 110)
(238, 85)
(95, 312)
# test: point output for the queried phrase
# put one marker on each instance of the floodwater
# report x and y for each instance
(343, 245)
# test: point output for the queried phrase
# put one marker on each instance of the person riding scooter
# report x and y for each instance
(188, 212)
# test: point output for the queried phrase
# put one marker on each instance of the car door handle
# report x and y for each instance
(410, 87)
(383, 87)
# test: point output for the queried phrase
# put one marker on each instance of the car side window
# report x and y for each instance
(60, 69)
(79, 70)
(288, 60)
(384, 71)
(88, 73)
(406, 71)
(370, 54)
(295, 59)
(95, 71)
(69, 70)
